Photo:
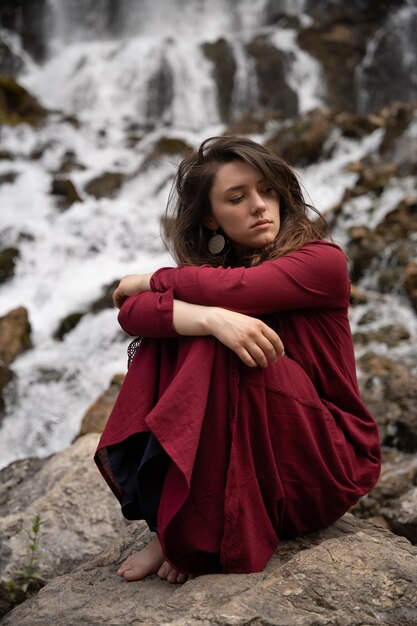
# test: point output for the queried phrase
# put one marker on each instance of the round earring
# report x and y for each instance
(216, 243)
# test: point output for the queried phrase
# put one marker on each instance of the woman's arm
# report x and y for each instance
(313, 277)
(150, 314)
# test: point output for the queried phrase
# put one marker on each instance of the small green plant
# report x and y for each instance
(27, 581)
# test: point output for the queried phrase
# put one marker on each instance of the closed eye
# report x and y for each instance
(236, 200)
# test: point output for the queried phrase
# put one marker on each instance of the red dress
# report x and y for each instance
(254, 454)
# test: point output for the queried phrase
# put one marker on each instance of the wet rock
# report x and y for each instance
(300, 141)
(357, 11)
(6, 375)
(270, 65)
(253, 121)
(97, 415)
(105, 301)
(69, 163)
(394, 498)
(363, 246)
(390, 393)
(399, 144)
(390, 334)
(106, 185)
(160, 92)
(410, 283)
(79, 514)
(357, 296)
(10, 63)
(165, 147)
(17, 105)
(28, 19)
(14, 334)
(357, 125)
(279, 13)
(221, 55)
(65, 191)
(339, 47)
(68, 324)
(8, 177)
(352, 573)
(8, 258)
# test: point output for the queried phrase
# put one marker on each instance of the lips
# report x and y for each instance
(261, 223)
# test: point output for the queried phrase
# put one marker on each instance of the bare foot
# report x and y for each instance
(169, 573)
(140, 564)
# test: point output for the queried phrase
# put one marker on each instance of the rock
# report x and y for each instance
(164, 147)
(69, 163)
(17, 106)
(68, 324)
(105, 301)
(14, 334)
(357, 125)
(79, 514)
(65, 191)
(220, 53)
(399, 144)
(394, 498)
(363, 246)
(97, 414)
(300, 141)
(339, 46)
(27, 18)
(390, 393)
(106, 185)
(253, 121)
(8, 258)
(10, 62)
(390, 334)
(160, 90)
(270, 65)
(410, 283)
(8, 177)
(351, 574)
(357, 296)
(6, 376)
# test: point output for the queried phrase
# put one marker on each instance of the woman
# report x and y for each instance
(219, 439)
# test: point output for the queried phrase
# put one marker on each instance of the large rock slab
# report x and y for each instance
(352, 573)
(79, 514)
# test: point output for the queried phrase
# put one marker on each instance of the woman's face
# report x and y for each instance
(244, 206)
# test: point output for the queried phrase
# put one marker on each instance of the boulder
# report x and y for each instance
(67, 324)
(353, 573)
(389, 391)
(65, 191)
(270, 64)
(98, 413)
(410, 283)
(394, 498)
(363, 246)
(106, 185)
(339, 47)
(17, 105)
(14, 334)
(220, 53)
(399, 144)
(390, 334)
(8, 258)
(79, 514)
(300, 141)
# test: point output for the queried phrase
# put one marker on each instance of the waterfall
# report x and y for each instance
(389, 66)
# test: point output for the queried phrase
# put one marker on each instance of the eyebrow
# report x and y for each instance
(239, 187)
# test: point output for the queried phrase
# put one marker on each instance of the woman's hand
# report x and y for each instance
(130, 284)
(255, 343)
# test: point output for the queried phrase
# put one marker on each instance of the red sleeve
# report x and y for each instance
(148, 314)
(315, 276)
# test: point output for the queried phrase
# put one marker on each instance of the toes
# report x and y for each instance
(181, 578)
(172, 576)
(164, 570)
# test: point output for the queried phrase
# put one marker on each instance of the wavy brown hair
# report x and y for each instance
(188, 204)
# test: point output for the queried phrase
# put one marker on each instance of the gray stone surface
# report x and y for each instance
(79, 514)
(352, 573)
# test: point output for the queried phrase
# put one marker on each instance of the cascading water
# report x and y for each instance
(130, 73)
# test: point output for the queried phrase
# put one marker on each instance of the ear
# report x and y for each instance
(210, 222)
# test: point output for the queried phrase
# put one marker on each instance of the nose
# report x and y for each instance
(258, 204)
